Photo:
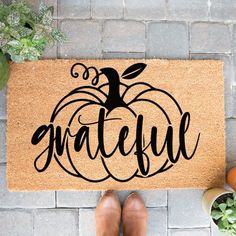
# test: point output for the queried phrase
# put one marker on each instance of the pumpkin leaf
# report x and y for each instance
(133, 71)
(4, 70)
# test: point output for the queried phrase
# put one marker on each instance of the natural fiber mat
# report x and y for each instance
(115, 124)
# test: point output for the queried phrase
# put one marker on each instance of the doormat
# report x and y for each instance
(115, 124)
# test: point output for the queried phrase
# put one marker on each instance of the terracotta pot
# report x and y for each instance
(231, 178)
(210, 196)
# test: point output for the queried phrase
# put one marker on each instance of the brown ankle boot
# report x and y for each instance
(108, 215)
(134, 216)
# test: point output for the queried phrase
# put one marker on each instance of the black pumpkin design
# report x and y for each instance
(106, 101)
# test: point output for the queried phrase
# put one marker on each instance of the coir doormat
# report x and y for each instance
(115, 124)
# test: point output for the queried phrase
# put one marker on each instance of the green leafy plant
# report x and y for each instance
(24, 33)
(4, 70)
(224, 214)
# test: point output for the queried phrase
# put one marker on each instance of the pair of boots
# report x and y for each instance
(108, 215)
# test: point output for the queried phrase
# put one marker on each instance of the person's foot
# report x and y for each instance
(108, 215)
(134, 216)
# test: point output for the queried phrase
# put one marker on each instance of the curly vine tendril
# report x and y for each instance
(86, 73)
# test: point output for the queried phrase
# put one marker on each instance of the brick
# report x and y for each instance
(228, 78)
(210, 38)
(56, 222)
(231, 140)
(167, 40)
(189, 232)
(3, 104)
(223, 9)
(16, 223)
(102, 9)
(124, 36)
(23, 199)
(78, 199)
(74, 9)
(123, 55)
(185, 209)
(157, 222)
(84, 39)
(50, 52)
(35, 5)
(188, 10)
(87, 223)
(145, 10)
(2, 141)
(154, 198)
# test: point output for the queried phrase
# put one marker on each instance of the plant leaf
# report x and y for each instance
(13, 19)
(4, 70)
(13, 32)
(23, 31)
(221, 225)
(232, 218)
(17, 58)
(215, 204)
(133, 71)
(230, 202)
(47, 18)
(42, 8)
(234, 196)
(222, 207)
(2, 26)
(216, 215)
(228, 211)
(14, 43)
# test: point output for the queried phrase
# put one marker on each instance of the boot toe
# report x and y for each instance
(135, 203)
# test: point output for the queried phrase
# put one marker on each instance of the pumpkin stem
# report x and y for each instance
(113, 99)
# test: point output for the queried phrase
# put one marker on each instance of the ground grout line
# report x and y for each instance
(209, 9)
(189, 40)
(43, 209)
(145, 40)
(167, 8)
(189, 228)
(167, 206)
(90, 9)
(33, 221)
(123, 2)
(212, 21)
(77, 222)
(66, 208)
(55, 199)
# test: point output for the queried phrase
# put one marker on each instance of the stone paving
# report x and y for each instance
(184, 29)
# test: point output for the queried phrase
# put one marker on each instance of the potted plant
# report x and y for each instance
(220, 204)
(24, 34)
